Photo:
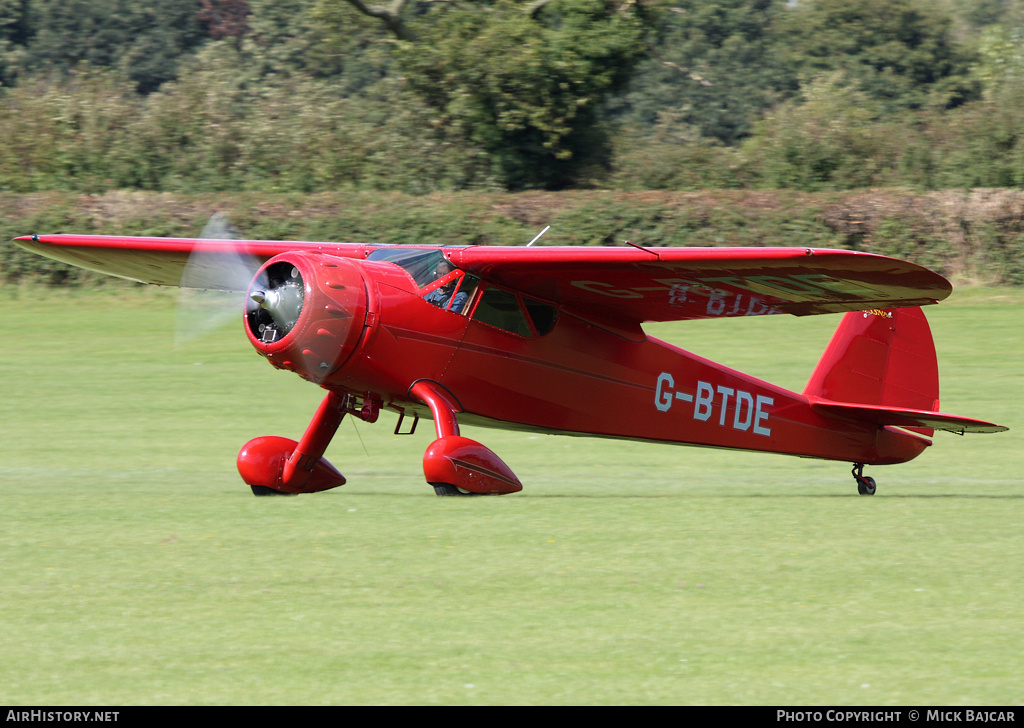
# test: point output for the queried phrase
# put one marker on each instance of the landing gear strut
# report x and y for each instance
(865, 484)
(275, 465)
(455, 465)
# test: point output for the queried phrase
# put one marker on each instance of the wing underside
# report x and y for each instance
(671, 284)
(211, 264)
(629, 285)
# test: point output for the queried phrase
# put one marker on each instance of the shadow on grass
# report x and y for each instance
(691, 496)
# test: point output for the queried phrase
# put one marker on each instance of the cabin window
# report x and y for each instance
(507, 311)
(543, 315)
(522, 316)
(501, 308)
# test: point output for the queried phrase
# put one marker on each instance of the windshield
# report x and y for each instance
(425, 266)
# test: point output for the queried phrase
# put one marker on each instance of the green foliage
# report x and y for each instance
(975, 236)
(828, 141)
(713, 67)
(312, 95)
(673, 156)
(144, 38)
(899, 237)
(898, 52)
(1001, 58)
(216, 129)
(13, 35)
(527, 91)
(74, 134)
(289, 38)
(990, 150)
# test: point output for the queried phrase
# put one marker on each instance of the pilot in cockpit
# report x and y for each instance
(440, 296)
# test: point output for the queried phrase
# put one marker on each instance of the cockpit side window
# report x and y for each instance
(447, 287)
(462, 295)
(453, 291)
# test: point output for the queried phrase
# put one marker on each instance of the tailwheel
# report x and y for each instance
(865, 484)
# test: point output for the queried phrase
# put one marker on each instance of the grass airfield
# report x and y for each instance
(136, 568)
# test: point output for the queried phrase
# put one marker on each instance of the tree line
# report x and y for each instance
(418, 96)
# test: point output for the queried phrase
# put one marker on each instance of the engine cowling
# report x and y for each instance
(306, 312)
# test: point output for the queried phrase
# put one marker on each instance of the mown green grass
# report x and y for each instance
(136, 568)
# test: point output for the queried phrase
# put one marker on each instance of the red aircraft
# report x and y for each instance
(550, 339)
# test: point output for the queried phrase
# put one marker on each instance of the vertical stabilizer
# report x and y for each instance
(880, 357)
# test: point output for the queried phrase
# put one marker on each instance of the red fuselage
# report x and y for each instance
(585, 377)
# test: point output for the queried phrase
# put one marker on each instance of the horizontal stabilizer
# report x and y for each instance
(903, 417)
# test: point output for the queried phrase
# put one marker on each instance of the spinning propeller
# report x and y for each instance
(319, 299)
(213, 282)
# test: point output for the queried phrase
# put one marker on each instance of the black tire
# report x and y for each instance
(262, 490)
(446, 489)
(866, 486)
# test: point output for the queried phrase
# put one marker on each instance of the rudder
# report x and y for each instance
(879, 357)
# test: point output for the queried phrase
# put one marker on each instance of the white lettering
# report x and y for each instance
(757, 307)
(749, 413)
(862, 716)
(725, 392)
(761, 416)
(677, 294)
(987, 716)
(798, 715)
(52, 716)
(741, 399)
(716, 304)
(663, 398)
(702, 404)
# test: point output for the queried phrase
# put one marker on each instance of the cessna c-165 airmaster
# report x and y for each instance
(550, 339)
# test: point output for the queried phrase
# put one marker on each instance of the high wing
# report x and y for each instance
(633, 285)
(630, 285)
(210, 264)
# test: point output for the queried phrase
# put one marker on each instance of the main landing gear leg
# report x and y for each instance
(865, 485)
(456, 465)
(277, 465)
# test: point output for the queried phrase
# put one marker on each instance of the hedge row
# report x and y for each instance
(972, 236)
